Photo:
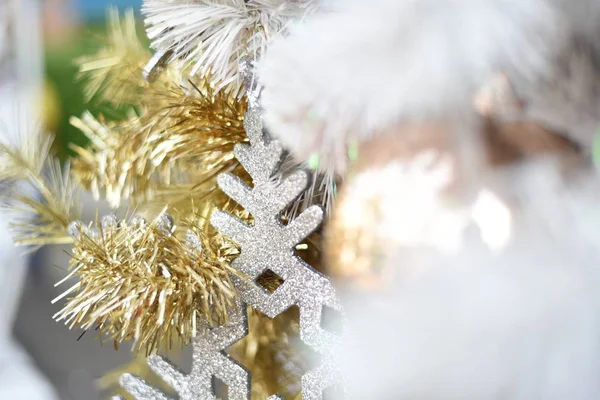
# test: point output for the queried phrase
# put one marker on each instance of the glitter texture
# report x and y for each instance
(209, 360)
(266, 244)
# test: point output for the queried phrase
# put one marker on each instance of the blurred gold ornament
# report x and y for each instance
(393, 197)
(268, 353)
(512, 142)
(417, 187)
(143, 281)
(50, 106)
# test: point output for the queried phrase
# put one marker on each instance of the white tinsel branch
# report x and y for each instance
(213, 35)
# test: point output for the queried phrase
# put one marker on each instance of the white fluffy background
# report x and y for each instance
(519, 325)
(358, 67)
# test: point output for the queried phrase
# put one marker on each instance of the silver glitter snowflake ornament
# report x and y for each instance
(267, 244)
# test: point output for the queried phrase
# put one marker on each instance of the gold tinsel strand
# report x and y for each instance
(141, 281)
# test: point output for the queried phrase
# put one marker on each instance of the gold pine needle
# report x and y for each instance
(113, 73)
(43, 200)
(174, 149)
(173, 146)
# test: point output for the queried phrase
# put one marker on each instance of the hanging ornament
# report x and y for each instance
(419, 186)
(266, 245)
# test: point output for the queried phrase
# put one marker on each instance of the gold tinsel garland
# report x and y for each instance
(141, 281)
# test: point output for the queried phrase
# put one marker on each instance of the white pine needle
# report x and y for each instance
(213, 35)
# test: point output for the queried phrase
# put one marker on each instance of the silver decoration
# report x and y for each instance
(109, 223)
(246, 70)
(192, 241)
(267, 244)
(137, 220)
(165, 223)
(76, 228)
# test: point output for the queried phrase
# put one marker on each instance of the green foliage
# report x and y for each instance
(61, 72)
(60, 75)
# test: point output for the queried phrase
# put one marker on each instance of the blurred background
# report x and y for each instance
(39, 39)
(72, 28)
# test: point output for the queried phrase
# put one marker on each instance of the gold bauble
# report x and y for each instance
(372, 219)
(414, 188)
